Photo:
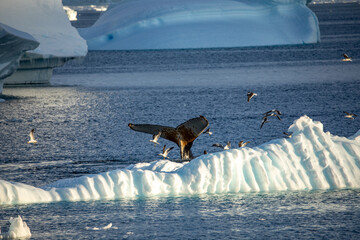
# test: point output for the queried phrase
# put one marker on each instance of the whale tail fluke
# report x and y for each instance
(183, 135)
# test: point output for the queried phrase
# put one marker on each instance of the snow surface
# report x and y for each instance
(311, 159)
(169, 24)
(48, 23)
(18, 229)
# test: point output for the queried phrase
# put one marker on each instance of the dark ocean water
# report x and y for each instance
(81, 125)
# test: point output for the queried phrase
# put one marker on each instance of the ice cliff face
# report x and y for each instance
(13, 44)
(168, 24)
(311, 159)
(48, 23)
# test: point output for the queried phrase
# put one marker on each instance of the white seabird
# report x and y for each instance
(156, 138)
(226, 147)
(265, 120)
(346, 58)
(288, 135)
(243, 144)
(208, 131)
(350, 115)
(250, 95)
(32, 138)
(165, 151)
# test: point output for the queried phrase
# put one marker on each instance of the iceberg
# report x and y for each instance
(312, 159)
(170, 24)
(46, 21)
(18, 229)
(13, 44)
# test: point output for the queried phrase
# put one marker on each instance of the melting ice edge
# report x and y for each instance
(312, 159)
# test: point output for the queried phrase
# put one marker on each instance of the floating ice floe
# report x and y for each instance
(311, 159)
(47, 22)
(171, 24)
(18, 229)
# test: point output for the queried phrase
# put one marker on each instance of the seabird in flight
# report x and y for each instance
(346, 58)
(183, 135)
(272, 115)
(32, 138)
(288, 135)
(272, 111)
(350, 115)
(156, 138)
(208, 131)
(250, 95)
(265, 120)
(226, 147)
(165, 151)
(243, 144)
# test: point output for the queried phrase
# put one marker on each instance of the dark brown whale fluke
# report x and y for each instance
(183, 135)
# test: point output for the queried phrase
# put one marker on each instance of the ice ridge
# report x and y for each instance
(312, 159)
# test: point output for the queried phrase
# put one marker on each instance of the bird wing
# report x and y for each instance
(168, 150)
(345, 55)
(192, 128)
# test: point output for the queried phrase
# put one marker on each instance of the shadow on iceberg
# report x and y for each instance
(312, 159)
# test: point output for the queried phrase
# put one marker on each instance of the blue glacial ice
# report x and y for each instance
(312, 159)
(13, 44)
(169, 24)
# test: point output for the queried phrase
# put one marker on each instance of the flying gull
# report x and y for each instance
(346, 58)
(272, 115)
(350, 115)
(208, 131)
(288, 135)
(32, 138)
(243, 144)
(272, 111)
(226, 147)
(155, 138)
(265, 120)
(183, 135)
(250, 95)
(165, 151)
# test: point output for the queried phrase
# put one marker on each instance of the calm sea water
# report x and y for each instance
(81, 125)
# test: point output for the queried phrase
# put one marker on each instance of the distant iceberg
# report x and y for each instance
(171, 24)
(311, 159)
(48, 23)
(13, 44)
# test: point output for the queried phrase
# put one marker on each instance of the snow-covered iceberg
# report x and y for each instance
(171, 24)
(18, 229)
(311, 159)
(47, 22)
(13, 44)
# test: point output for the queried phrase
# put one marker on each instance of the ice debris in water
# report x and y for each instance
(311, 159)
(101, 228)
(18, 229)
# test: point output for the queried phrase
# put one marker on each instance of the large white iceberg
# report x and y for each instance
(172, 24)
(13, 44)
(311, 159)
(47, 22)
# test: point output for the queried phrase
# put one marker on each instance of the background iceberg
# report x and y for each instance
(48, 23)
(311, 159)
(168, 24)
